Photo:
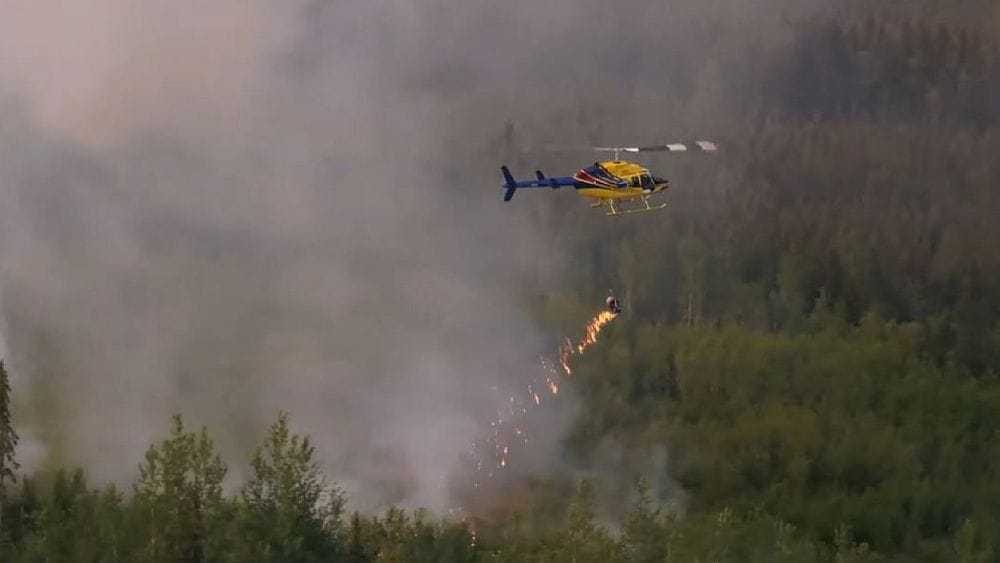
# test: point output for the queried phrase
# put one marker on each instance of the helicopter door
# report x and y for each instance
(647, 182)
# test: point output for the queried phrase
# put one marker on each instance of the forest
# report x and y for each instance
(813, 336)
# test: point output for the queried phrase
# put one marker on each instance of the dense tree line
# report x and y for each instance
(177, 512)
(911, 69)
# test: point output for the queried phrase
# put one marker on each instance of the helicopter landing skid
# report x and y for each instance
(614, 212)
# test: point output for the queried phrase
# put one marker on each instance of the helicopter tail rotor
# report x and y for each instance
(509, 183)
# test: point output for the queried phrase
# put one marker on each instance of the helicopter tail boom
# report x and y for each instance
(511, 185)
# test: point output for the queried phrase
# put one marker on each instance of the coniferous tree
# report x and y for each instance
(584, 539)
(77, 524)
(644, 538)
(288, 511)
(8, 442)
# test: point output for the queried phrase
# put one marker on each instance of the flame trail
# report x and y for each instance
(593, 329)
(565, 350)
(505, 430)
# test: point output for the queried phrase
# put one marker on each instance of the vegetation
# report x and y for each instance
(287, 513)
(8, 440)
(818, 350)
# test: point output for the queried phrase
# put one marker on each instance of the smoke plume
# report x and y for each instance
(233, 208)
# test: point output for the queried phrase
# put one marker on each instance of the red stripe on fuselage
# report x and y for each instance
(588, 179)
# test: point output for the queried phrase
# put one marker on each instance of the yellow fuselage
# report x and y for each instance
(616, 179)
(608, 193)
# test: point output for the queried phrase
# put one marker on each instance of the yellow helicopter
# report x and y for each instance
(609, 181)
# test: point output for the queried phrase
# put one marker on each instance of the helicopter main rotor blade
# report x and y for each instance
(707, 146)
(671, 147)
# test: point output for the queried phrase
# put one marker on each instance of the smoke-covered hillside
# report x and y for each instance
(232, 210)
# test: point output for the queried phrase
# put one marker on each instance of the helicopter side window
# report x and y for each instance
(647, 182)
(634, 182)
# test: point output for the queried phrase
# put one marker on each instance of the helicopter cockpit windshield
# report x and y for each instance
(643, 180)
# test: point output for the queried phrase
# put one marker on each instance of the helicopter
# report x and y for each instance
(609, 181)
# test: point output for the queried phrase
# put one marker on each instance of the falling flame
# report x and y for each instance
(594, 328)
(501, 432)
(564, 353)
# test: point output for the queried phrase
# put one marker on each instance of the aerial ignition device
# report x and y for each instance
(609, 181)
(612, 303)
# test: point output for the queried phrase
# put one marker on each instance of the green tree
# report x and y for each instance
(77, 524)
(8, 442)
(289, 512)
(21, 515)
(178, 498)
(584, 539)
(693, 258)
(969, 548)
(644, 538)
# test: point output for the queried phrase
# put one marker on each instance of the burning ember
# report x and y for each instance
(503, 433)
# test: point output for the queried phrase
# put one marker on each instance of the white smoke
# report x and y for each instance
(233, 208)
(219, 211)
